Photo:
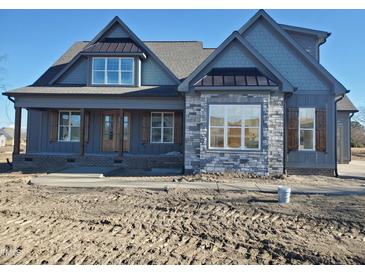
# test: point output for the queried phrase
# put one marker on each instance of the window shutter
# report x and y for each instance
(87, 124)
(293, 120)
(146, 127)
(321, 130)
(53, 125)
(178, 127)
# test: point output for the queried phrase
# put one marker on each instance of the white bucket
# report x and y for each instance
(284, 194)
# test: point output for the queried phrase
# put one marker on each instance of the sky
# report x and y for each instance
(32, 40)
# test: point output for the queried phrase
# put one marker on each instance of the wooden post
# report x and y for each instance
(82, 132)
(17, 129)
(121, 138)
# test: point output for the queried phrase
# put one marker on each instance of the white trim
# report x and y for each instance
(68, 126)
(313, 129)
(242, 127)
(120, 71)
(162, 127)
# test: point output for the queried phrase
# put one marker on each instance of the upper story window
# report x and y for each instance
(113, 71)
(307, 128)
(235, 127)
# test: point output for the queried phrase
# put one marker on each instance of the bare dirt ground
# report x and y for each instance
(358, 153)
(44, 225)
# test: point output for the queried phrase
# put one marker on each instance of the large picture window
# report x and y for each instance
(307, 128)
(113, 71)
(234, 127)
(69, 126)
(162, 127)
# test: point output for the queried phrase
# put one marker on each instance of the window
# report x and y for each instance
(234, 127)
(306, 128)
(69, 126)
(162, 127)
(113, 71)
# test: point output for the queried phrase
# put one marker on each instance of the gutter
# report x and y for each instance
(338, 99)
(11, 99)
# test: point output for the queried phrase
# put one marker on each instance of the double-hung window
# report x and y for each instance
(113, 71)
(235, 127)
(306, 128)
(69, 126)
(162, 127)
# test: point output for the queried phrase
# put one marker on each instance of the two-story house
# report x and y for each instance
(259, 103)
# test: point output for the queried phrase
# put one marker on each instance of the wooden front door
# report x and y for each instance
(114, 124)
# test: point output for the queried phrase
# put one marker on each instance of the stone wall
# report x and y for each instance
(267, 160)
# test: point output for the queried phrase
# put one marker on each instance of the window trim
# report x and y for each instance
(162, 127)
(120, 71)
(242, 127)
(313, 129)
(68, 126)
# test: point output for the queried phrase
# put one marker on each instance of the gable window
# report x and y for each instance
(113, 71)
(162, 127)
(69, 126)
(235, 127)
(306, 128)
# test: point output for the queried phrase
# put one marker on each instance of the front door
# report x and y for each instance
(114, 123)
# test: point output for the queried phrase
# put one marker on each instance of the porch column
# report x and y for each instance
(17, 129)
(82, 132)
(121, 137)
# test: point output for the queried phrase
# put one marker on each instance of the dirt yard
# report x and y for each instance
(43, 225)
(358, 153)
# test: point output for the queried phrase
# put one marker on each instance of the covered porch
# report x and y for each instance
(138, 133)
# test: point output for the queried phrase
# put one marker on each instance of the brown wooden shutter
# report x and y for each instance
(178, 128)
(321, 130)
(146, 116)
(53, 125)
(87, 124)
(293, 120)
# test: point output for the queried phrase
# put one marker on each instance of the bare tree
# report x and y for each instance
(360, 116)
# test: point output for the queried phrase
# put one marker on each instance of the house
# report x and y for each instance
(6, 137)
(345, 111)
(260, 103)
(2, 140)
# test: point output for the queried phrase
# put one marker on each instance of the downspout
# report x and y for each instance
(338, 99)
(286, 96)
(350, 129)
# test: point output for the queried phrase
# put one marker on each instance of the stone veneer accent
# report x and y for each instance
(267, 161)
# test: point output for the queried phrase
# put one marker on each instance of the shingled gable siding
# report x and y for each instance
(283, 58)
(77, 74)
(153, 74)
(268, 160)
(308, 42)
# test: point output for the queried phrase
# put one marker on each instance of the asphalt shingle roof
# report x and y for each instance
(181, 57)
(346, 105)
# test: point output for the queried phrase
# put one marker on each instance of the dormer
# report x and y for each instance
(115, 57)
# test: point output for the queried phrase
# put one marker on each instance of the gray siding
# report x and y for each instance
(98, 102)
(153, 74)
(77, 74)
(284, 58)
(315, 159)
(38, 136)
(307, 41)
(344, 119)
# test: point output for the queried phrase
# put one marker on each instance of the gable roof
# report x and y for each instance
(338, 87)
(181, 57)
(286, 86)
(134, 38)
(345, 104)
(319, 33)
